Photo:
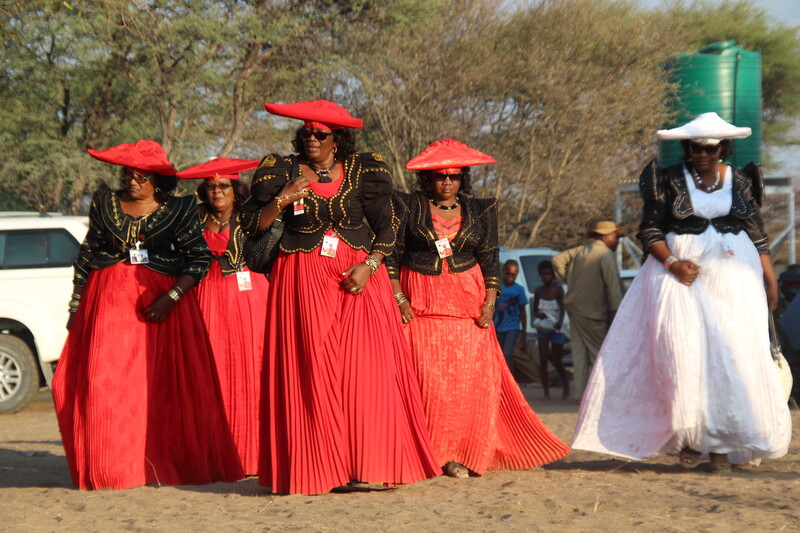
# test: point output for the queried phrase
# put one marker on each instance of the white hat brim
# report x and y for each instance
(705, 126)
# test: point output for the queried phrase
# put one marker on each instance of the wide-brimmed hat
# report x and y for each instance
(218, 168)
(317, 113)
(604, 227)
(144, 155)
(707, 128)
(448, 156)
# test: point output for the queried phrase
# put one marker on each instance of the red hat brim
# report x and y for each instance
(144, 155)
(332, 115)
(447, 154)
(218, 168)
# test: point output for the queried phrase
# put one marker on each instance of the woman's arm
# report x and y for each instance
(770, 281)
(376, 196)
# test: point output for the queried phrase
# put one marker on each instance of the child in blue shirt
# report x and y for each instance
(510, 317)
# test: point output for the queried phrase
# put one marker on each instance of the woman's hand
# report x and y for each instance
(486, 316)
(295, 190)
(355, 278)
(541, 316)
(685, 271)
(521, 344)
(405, 312)
(772, 296)
(159, 309)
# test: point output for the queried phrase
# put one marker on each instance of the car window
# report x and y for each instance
(37, 248)
(61, 248)
(530, 265)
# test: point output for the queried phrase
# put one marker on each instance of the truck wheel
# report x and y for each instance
(19, 375)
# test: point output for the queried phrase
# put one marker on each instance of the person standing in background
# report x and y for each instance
(232, 300)
(510, 318)
(594, 293)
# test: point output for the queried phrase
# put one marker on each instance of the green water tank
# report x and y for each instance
(724, 78)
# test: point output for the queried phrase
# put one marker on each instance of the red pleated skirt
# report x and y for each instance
(476, 413)
(139, 402)
(340, 400)
(235, 321)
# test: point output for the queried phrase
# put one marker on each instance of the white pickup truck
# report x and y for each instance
(36, 254)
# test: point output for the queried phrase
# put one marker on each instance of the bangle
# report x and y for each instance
(72, 309)
(179, 290)
(490, 305)
(74, 303)
(172, 293)
(373, 263)
(399, 297)
(76, 296)
(278, 200)
(669, 260)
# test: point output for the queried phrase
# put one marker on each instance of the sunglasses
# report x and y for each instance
(138, 177)
(710, 149)
(221, 186)
(318, 135)
(438, 176)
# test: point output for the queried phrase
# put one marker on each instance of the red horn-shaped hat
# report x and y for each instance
(218, 168)
(448, 156)
(148, 156)
(323, 112)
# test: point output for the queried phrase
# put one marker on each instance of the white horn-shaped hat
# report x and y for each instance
(707, 128)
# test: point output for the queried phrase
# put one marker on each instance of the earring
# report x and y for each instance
(334, 149)
(158, 189)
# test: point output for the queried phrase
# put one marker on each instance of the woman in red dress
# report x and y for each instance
(446, 275)
(340, 401)
(135, 390)
(233, 300)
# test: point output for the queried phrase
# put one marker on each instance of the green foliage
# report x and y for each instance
(704, 22)
(565, 94)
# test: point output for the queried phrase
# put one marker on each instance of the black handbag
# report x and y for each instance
(260, 251)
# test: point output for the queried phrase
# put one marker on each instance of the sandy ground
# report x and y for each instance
(584, 492)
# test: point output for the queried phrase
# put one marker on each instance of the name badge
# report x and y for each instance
(726, 246)
(443, 247)
(329, 245)
(138, 255)
(299, 207)
(243, 279)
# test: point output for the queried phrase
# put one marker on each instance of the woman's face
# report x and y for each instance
(445, 186)
(139, 185)
(318, 144)
(704, 157)
(220, 194)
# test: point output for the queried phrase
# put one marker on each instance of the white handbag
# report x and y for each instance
(784, 372)
(545, 325)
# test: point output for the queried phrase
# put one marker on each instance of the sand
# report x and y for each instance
(584, 492)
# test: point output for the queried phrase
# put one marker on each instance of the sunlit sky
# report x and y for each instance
(786, 11)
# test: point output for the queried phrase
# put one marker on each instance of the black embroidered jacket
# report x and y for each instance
(171, 235)
(232, 261)
(475, 243)
(361, 211)
(668, 206)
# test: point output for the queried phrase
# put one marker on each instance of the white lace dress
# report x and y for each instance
(690, 366)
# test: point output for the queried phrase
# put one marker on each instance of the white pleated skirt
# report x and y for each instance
(689, 366)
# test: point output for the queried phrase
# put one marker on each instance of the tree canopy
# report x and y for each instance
(565, 94)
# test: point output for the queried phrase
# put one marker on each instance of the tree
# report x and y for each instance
(705, 22)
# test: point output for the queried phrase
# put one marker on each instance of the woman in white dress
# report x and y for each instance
(686, 365)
